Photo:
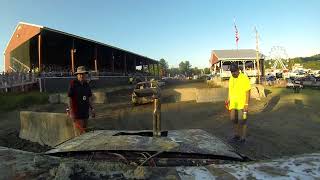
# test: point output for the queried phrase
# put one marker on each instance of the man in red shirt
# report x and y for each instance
(80, 101)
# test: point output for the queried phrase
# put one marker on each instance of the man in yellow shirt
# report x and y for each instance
(238, 100)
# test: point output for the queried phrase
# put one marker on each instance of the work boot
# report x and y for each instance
(234, 139)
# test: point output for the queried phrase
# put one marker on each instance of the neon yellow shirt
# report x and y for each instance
(237, 91)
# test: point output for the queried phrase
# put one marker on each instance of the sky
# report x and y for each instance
(176, 30)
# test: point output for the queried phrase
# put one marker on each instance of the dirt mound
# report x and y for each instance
(10, 138)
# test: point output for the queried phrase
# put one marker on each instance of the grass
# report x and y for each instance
(13, 101)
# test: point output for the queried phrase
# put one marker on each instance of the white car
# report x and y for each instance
(297, 74)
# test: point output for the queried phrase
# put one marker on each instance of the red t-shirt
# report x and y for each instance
(79, 94)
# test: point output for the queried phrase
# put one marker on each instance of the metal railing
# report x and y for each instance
(15, 79)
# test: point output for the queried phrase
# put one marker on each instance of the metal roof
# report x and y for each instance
(79, 37)
(236, 54)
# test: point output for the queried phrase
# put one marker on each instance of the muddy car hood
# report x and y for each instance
(145, 92)
(16, 164)
(177, 141)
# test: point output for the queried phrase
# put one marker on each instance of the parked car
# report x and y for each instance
(298, 73)
(145, 92)
(160, 83)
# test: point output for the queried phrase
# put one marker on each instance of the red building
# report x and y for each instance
(38, 47)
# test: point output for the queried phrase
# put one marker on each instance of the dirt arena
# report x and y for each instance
(282, 124)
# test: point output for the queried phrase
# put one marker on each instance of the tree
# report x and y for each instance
(196, 71)
(185, 68)
(163, 66)
(173, 72)
(206, 70)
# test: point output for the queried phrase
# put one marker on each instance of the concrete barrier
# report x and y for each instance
(54, 99)
(98, 98)
(198, 95)
(211, 95)
(217, 82)
(257, 92)
(207, 94)
(186, 94)
(45, 128)
(63, 99)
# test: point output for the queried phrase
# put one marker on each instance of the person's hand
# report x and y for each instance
(227, 103)
(246, 107)
(68, 111)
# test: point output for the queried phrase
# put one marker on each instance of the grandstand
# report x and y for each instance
(34, 47)
(52, 53)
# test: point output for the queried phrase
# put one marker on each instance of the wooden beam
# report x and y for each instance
(72, 57)
(96, 59)
(39, 52)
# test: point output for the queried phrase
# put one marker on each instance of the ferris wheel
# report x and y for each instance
(279, 57)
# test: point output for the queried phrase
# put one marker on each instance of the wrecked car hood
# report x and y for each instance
(145, 92)
(183, 141)
(16, 164)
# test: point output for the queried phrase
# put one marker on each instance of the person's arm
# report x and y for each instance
(93, 112)
(246, 103)
(68, 110)
(248, 87)
(70, 94)
(229, 91)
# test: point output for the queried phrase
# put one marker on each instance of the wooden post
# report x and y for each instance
(96, 59)
(257, 54)
(158, 70)
(154, 70)
(221, 68)
(157, 117)
(254, 66)
(39, 52)
(149, 71)
(72, 57)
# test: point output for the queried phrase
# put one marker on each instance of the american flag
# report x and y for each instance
(237, 32)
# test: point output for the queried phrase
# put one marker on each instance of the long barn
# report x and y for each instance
(34, 47)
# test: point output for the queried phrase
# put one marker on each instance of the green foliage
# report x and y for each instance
(173, 71)
(163, 64)
(196, 71)
(185, 68)
(153, 70)
(206, 70)
(12, 101)
(312, 62)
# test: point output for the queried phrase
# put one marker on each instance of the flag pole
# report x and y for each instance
(257, 54)
(237, 35)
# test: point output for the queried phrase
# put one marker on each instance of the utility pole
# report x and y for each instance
(257, 54)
